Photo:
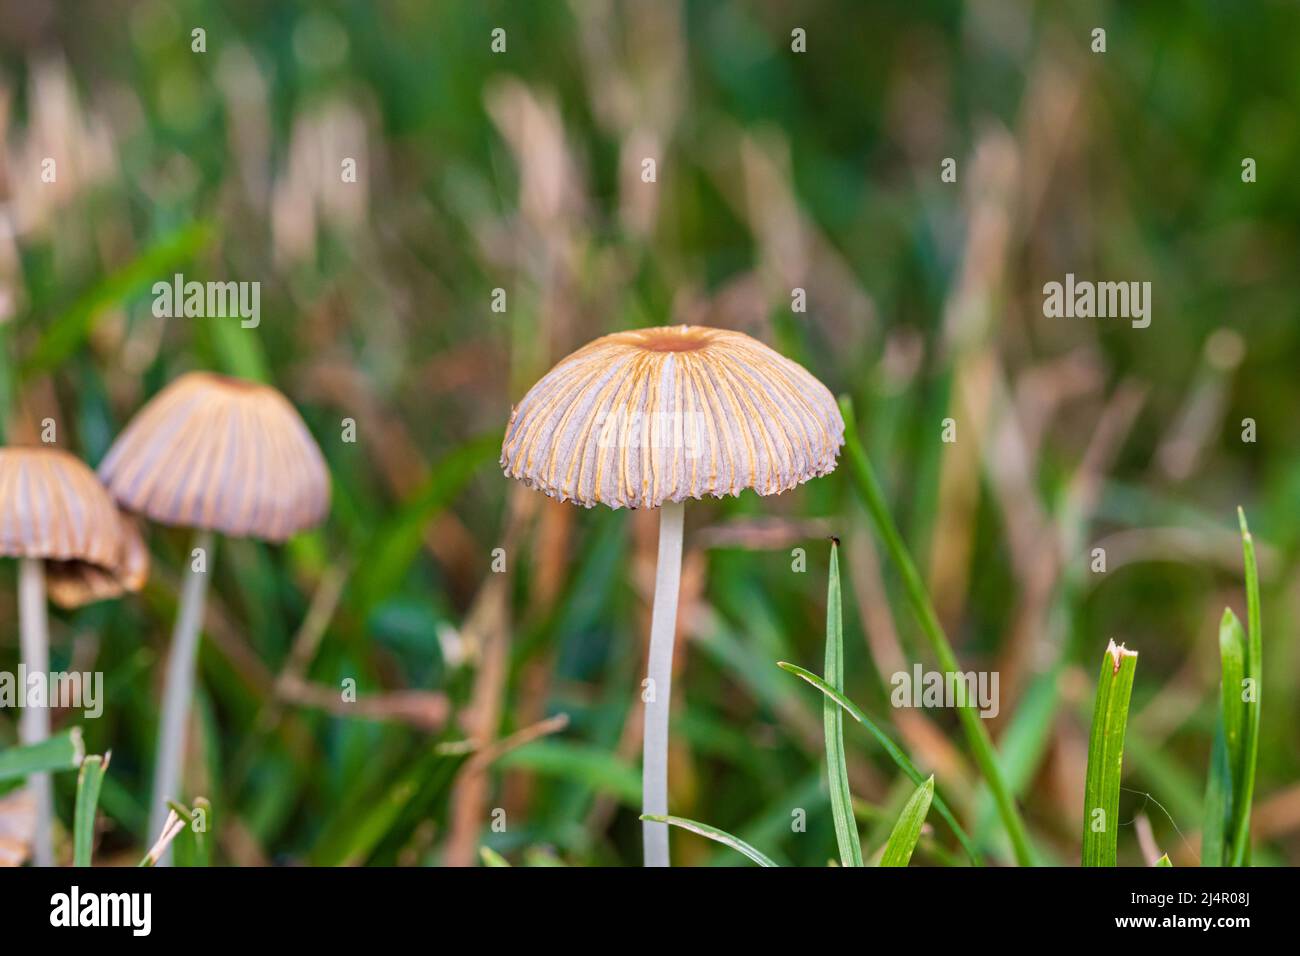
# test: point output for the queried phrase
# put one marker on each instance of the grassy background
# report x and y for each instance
(775, 170)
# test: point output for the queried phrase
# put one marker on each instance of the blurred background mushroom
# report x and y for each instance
(648, 419)
(74, 584)
(55, 514)
(218, 455)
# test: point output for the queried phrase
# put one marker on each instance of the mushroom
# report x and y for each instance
(74, 584)
(58, 520)
(648, 419)
(217, 455)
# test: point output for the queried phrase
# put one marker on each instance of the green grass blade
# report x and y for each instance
(1225, 756)
(902, 840)
(375, 824)
(771, 823)
(192, 846)
(89, 780)
(63, 751)
(714, 834)
(837, 771)
(63, 335)
(1026, 737)
(1243, 789)
(977, 736)
(365, 819)
(593, 768)
(1232, 661)
(1218, 799)
(901, 760)
(394, 546)
(491, 857)
(1163, 861)
(1106, 756)
(202, 842)
(238, 353)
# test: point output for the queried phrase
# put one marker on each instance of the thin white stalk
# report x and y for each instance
(178, 691)
(663, 628)
(34, 723)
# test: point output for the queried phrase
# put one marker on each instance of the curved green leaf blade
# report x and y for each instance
(714, 834)
(902, 840)
(901, 760)
(64, 334)
(977, 735)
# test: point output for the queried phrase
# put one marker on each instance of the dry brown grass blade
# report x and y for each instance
(172, 827)
(752, 171)
(320, 612)
(425, 710)
(762, 533)
(487, 633)
(484, 757)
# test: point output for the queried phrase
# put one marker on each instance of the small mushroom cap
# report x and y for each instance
(53, 507)
(635, 419)
(73, 584)
(220, 454)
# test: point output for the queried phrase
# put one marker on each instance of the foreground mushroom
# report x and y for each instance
(218, 455)
(648, 419)
(55, 515)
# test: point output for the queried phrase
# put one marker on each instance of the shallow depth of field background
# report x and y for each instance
(775, 170)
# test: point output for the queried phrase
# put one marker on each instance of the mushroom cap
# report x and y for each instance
(635, 419)
(221, 454)
(72, 584)
(53, 507)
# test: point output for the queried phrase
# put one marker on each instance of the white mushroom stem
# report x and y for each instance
(34, 724)
(178, 691)
(658, 693)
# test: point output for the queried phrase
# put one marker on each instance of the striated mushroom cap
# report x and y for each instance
(221, 454)
(53, 507)
(635, 419)
(73, 584)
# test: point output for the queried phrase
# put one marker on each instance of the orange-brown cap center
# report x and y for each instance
(674, 338)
